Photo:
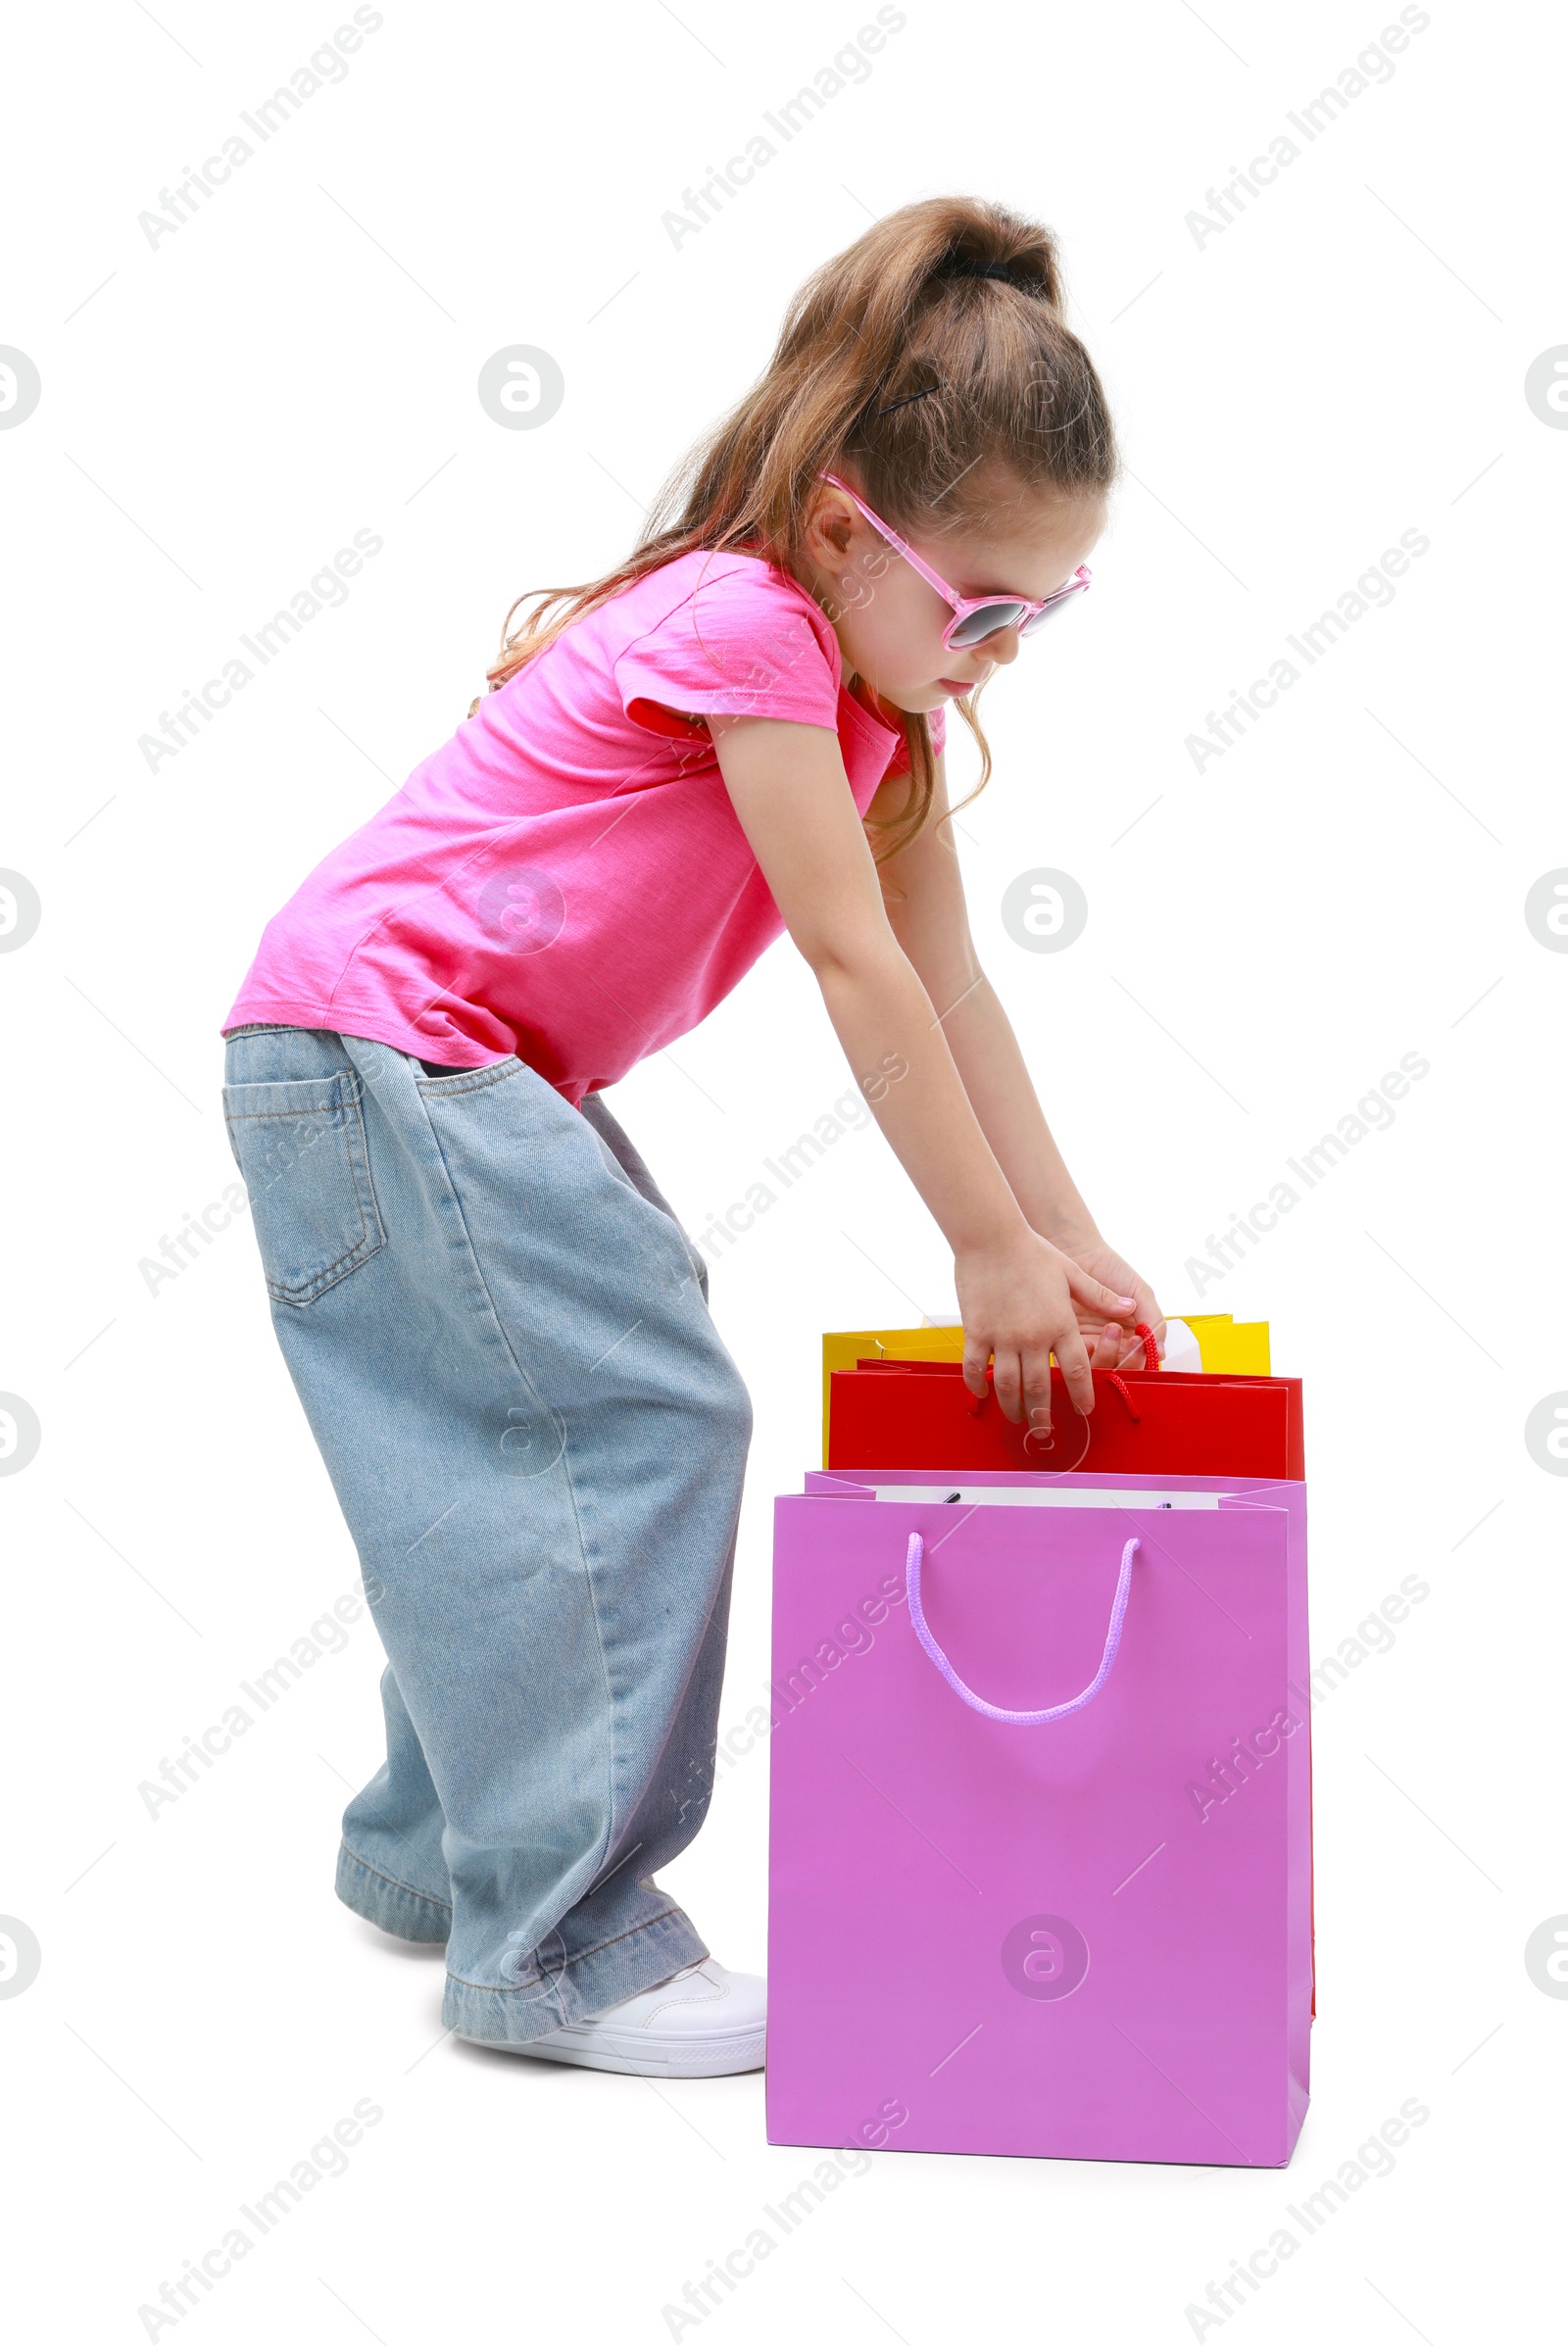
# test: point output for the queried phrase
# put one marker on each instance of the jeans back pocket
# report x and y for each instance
(301, 1150)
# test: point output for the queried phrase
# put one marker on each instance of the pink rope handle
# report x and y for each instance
(977, 1702)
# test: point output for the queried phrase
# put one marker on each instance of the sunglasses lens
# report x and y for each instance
(989, 620)
(1057, 603)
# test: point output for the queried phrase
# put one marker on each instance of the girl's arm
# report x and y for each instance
(1016, 1290)
(924, 893)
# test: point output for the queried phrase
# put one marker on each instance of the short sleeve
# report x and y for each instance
(742, 641)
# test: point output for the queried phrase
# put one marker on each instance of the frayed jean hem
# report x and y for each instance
(575, 1988)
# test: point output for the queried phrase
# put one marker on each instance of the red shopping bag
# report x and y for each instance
(921, 1413)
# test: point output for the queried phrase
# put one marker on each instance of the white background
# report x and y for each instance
(220, 414)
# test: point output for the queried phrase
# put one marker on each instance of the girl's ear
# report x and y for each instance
(831, 524)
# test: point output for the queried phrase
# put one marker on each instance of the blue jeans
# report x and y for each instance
(500, 1337)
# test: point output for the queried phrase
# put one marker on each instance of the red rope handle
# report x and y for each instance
(1151, 1361)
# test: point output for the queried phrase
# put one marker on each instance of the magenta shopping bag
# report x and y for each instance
(1041, 1843)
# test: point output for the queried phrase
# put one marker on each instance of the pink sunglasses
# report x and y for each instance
(974, 618)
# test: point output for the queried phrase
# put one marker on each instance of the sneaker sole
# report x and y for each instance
(717, 2056)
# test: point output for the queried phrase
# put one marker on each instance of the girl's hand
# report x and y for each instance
(1112, 1344)
(1023, 1300)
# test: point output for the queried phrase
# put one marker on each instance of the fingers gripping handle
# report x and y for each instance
(977, 1702)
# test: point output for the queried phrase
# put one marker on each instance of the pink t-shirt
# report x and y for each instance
(566, 878)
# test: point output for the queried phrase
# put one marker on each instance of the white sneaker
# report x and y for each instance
(704, 2022)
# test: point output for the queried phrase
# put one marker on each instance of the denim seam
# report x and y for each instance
(367, 1244)
(583, 1955)
(611, 1835)
(392, 1882)
(272, 1115)
(347, 1083)
(297, 1299)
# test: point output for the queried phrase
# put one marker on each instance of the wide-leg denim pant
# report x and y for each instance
(500, 1336)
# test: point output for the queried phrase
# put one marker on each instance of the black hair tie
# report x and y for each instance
(987, 268)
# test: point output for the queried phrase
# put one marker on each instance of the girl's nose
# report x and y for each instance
(1002, 647)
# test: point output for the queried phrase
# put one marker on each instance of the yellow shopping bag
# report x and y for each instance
(1230, 1347)
(842, 1350)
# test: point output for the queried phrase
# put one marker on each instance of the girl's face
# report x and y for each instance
(890, 622)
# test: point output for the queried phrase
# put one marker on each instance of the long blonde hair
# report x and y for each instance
(904, 358)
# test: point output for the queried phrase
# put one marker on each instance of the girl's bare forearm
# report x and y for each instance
(897, 1047)
(992, 1069)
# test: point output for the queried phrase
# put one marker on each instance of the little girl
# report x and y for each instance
(497, 1326)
